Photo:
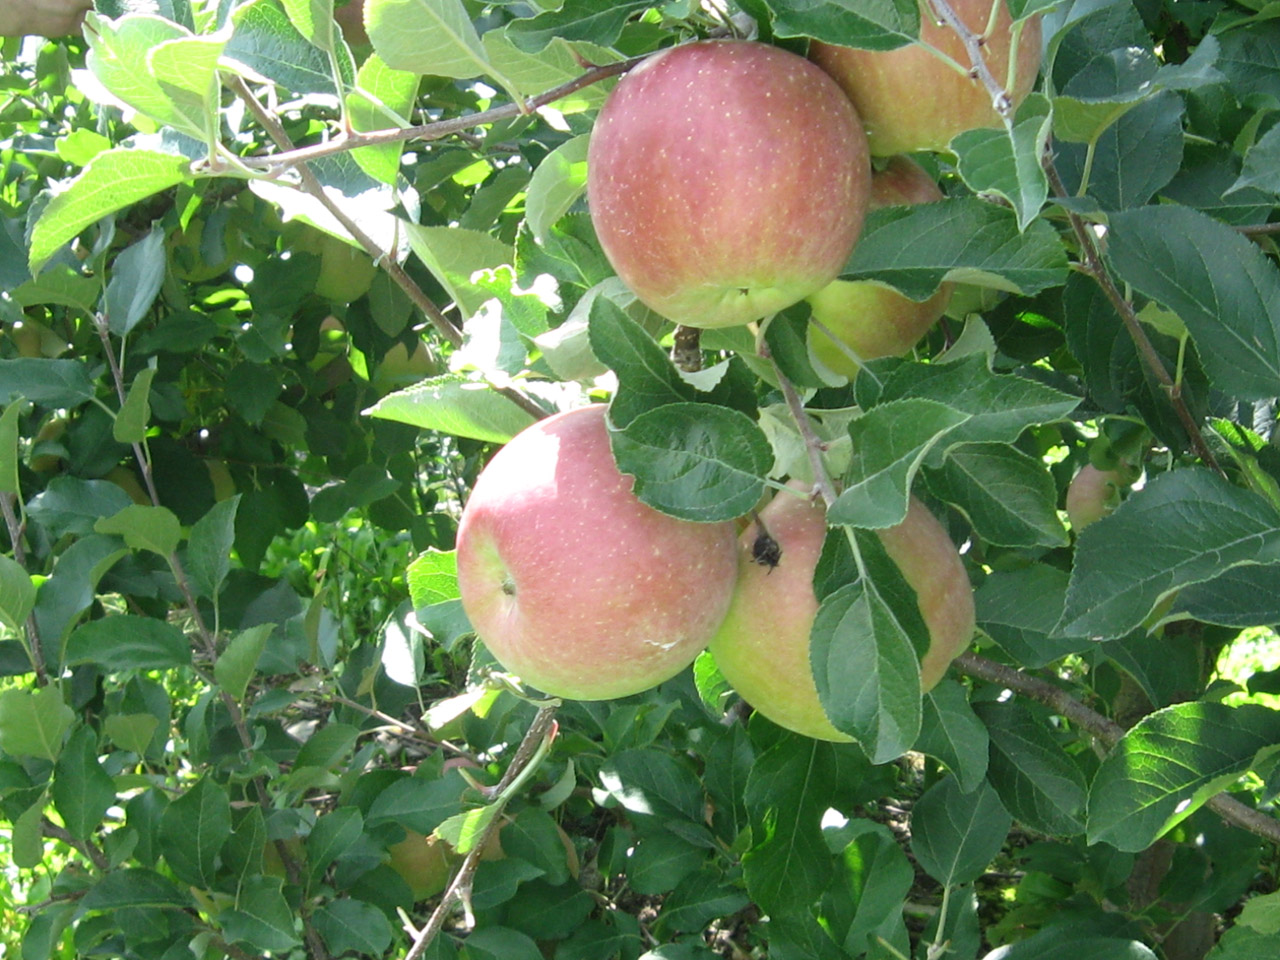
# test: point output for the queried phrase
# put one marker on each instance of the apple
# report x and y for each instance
(911, 100)
(1094, 493)
(727, 179)
(571, 581)
(870, 319)
(423, 862)
(762, 648)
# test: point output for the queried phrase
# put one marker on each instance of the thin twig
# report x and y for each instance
(312, 185)
(1000, 98)
(16, 533)
(1259, 229)
(460, 887)
(812, 442)
(1105, 730)
(293, 156)
(90, 850)
(1091, 264)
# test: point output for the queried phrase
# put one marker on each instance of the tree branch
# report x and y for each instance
(1106, 731)
(1000, 99)
(459, 889)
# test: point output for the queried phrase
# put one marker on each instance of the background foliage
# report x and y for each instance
(239, 692)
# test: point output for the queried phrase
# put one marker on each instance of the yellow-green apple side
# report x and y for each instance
(726, 179)
(911, 100)
(869, 319)
(571, 581)
(762, 648)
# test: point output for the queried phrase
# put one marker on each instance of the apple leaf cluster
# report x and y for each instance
(278, 281)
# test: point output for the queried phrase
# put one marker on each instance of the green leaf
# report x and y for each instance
(1183, 527)
(454, 255)
(1000, 406)
(262, 918)
(557, 183)
(890, 442)
(1040, 785)
(1058, 943)
(50, 383)
(134, 887)
(383, 98)
(501, 943)
(27, 837)
(9, 448)
(1009, 496)
(127, 642)
(646, 376)
(915, 248)
(601, 23)
(951, 732)
(131, 422)
(236, 664)
(662, 861)
(1024, 629)
(1261, 165)
(132, 732)
(144, 528)
(113, 180)
(71, 589)
(314, 20)
(867, 670)
(209, 545)
(954, 835)
(418, 803)
(268, 44)
(135, 281)
(353, 925)
(434, 37)
(333, 835)
(1241, 597)
(867, 24)
(82, 791)
(71, 505)
(534, 836)
(1008, 163)
(193, 829)
(17, 594)
(1168, 765)
(875, 871)
(694, 461)
(464, 831)
(454, 405)
(650, 782)
(33, 722)
(1223, 287)
(433, 577)
(698, 900)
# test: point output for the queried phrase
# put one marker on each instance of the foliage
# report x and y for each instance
(233, 455)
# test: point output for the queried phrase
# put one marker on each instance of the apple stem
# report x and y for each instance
(812, 442)
(686, 350)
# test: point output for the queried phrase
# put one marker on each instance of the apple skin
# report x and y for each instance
(871, 319)
(727, 179)
(1093, 494)
(762, 648)
(571, 581)
(910, 100)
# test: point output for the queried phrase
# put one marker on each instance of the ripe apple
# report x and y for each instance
(870, 319)
(762, 648)
(911, 100)
(1093, 494)
(727, 179)
(571, 581)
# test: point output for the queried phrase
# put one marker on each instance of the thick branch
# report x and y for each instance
(1107, 731)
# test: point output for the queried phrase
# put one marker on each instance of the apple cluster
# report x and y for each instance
(728, 180)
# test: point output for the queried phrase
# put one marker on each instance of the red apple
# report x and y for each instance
(571, 581)
(872, 320)
(1094, 494)
(762, 648)
(911, 100)
(727, 180)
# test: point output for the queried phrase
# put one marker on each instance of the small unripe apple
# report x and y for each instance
(727, 179)
(870, 319)
(762, 648)
(423, 862)
(1093, 494)
(911, 100)
(571, 581)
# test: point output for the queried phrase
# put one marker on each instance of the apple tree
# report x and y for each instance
(983, 440)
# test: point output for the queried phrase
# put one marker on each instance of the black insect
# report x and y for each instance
(766, 551)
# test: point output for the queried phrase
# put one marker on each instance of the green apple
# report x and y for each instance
(869, 319)
(571, 581)
(911, 100)
(762, 648)
(1094, 493)
(726, 180)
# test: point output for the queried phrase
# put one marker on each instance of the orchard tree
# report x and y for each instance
(908, 589)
